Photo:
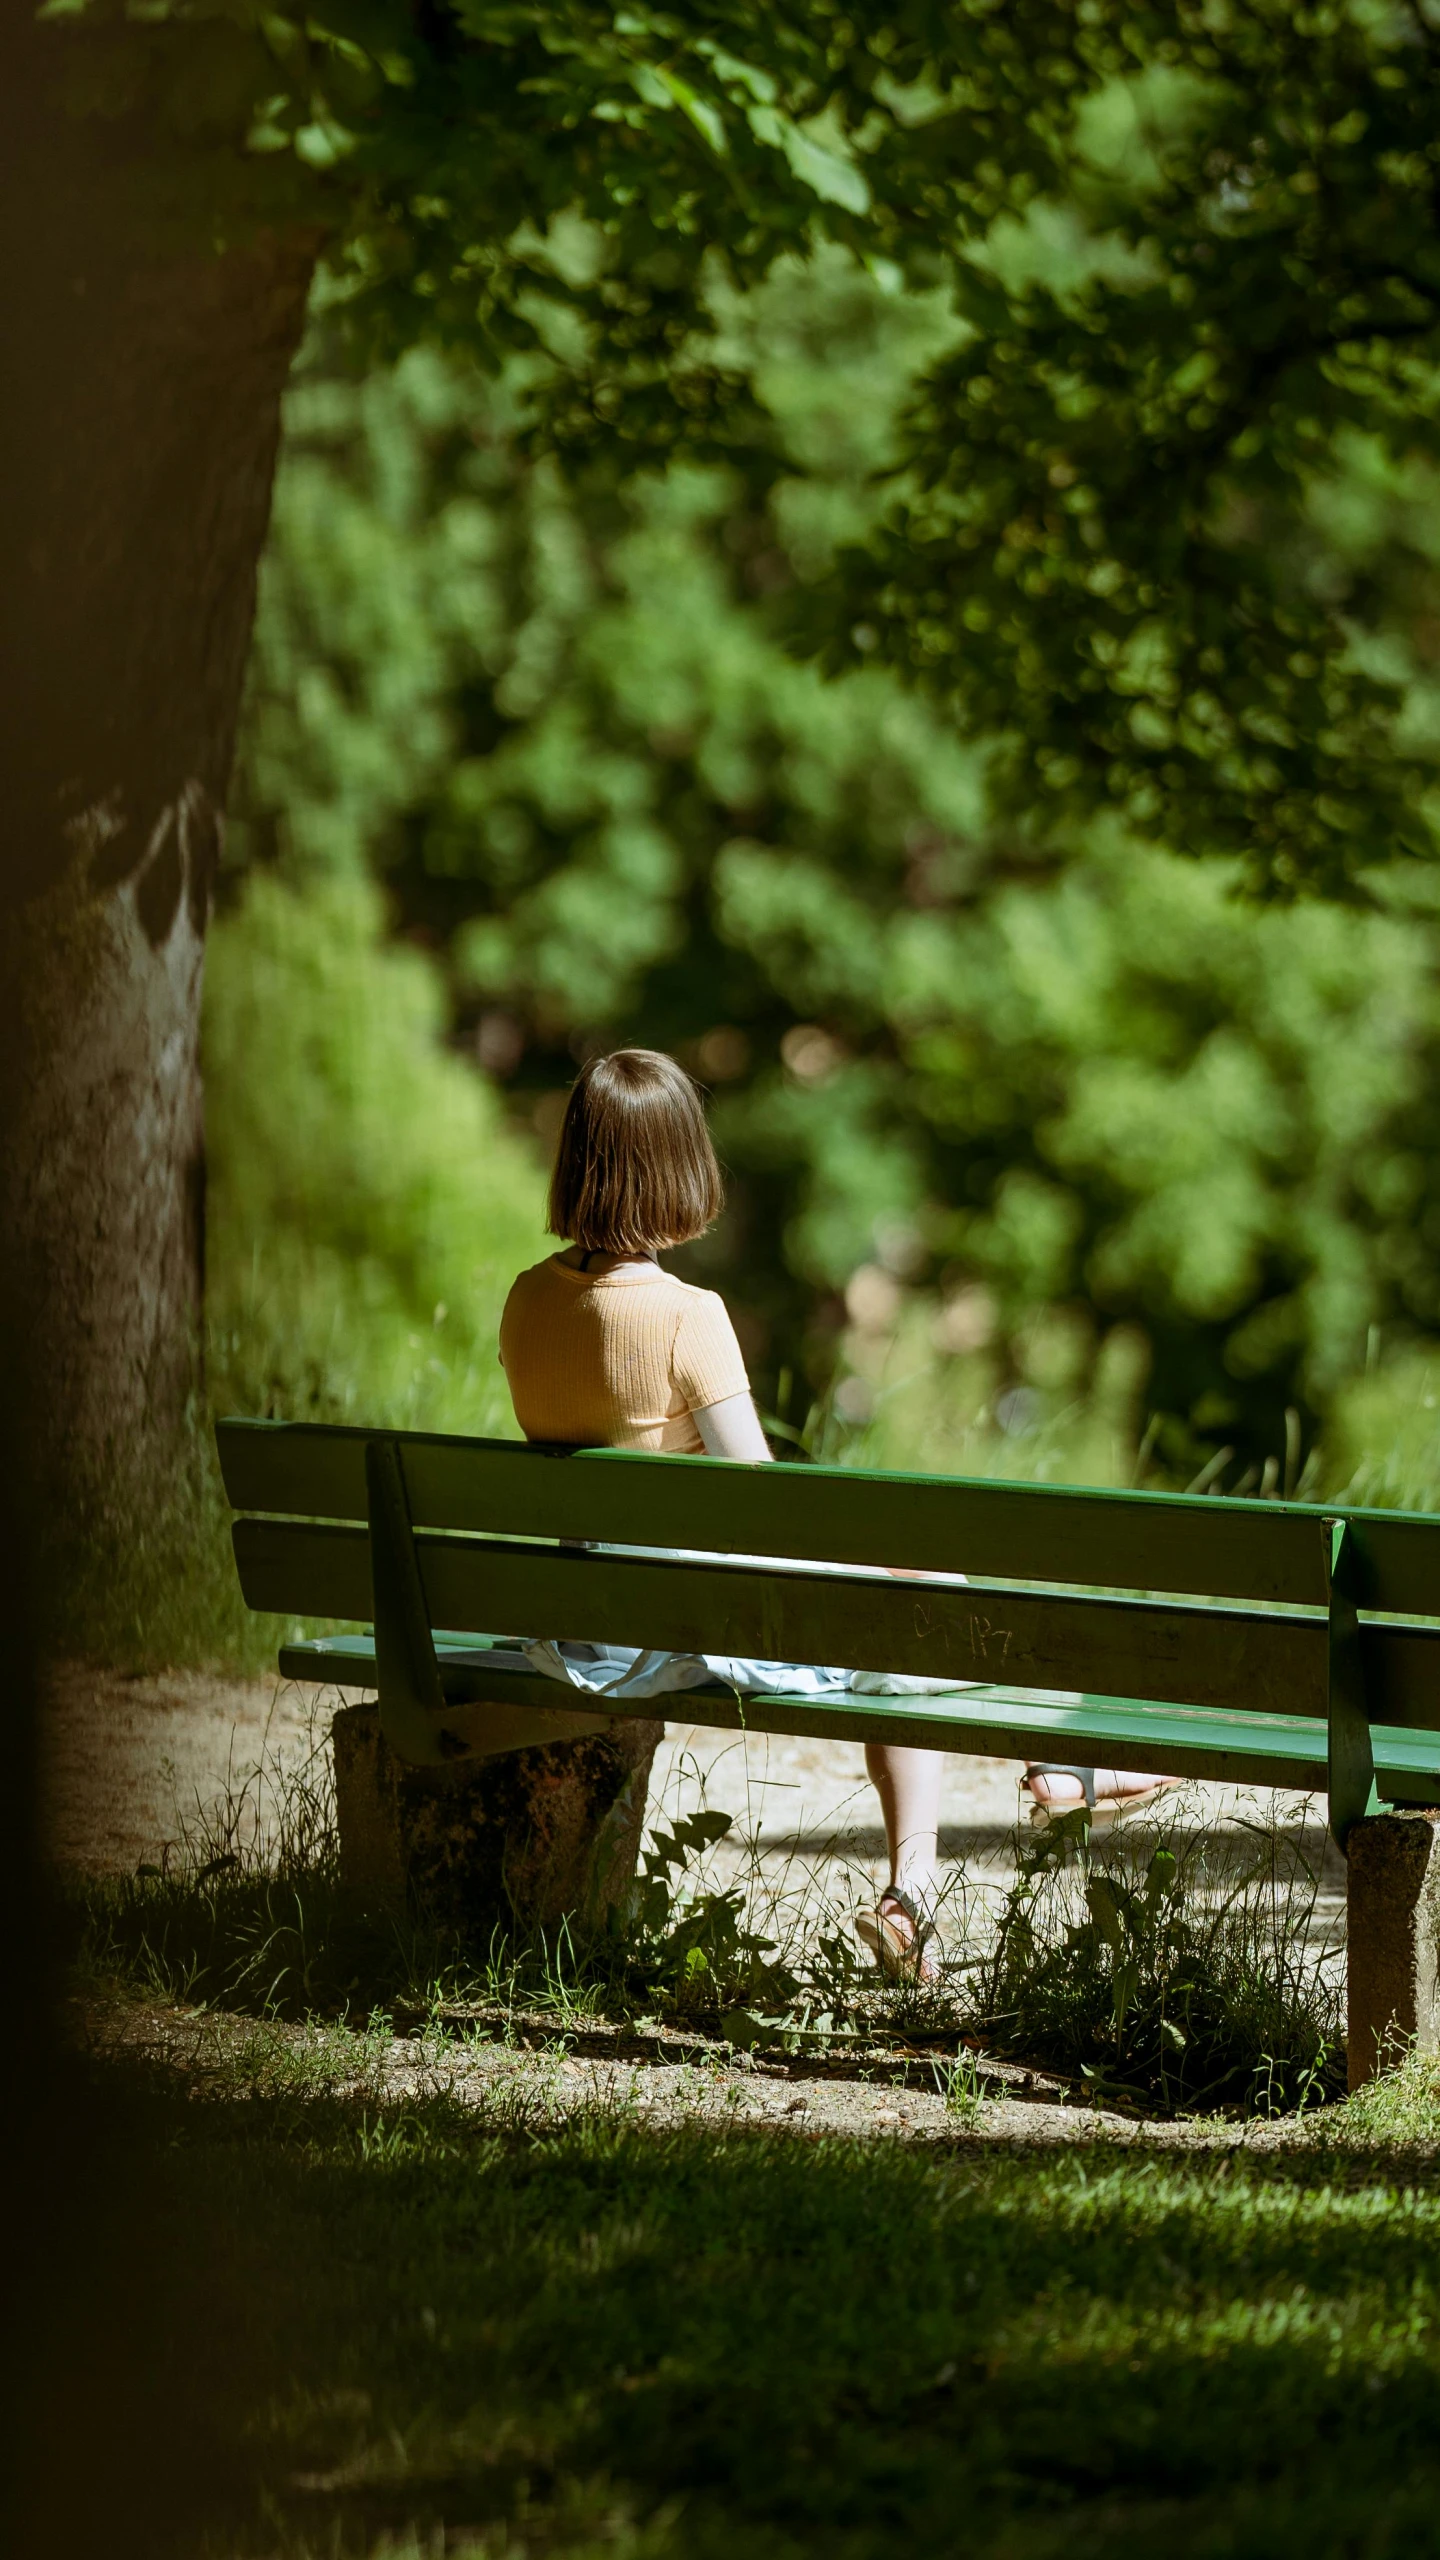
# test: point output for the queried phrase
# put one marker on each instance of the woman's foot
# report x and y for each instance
(1056, 1788)
(899, 1938)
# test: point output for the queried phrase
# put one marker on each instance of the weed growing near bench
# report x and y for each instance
(1183, 1966)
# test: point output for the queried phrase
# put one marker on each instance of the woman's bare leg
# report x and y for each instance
(908, 1785)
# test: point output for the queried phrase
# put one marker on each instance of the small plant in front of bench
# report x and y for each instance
(697, 1947)
(1183, 1965)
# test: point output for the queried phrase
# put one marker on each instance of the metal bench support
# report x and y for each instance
(412, 1702)
(1351, 1769)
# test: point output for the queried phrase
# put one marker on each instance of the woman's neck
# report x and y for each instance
(593, 1262)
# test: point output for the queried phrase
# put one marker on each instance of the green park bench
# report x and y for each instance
(1265, 1643)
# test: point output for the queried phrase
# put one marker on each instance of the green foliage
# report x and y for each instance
(1194, 256)
(1383, 1440)
(368, 1206)
(692, 1946)
(1192, 1982)
(502, 177)
(559, 721)
(1146, 1102)
(1110, 554)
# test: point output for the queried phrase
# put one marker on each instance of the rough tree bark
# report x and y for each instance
(138, 437)
(141, 419)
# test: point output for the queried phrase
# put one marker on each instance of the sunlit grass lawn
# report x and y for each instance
(346, 2330)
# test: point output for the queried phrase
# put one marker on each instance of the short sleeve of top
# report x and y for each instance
(707, 1364)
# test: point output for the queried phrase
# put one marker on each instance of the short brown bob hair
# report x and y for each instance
(635, 1168)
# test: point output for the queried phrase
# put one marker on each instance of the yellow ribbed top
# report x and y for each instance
(616, 1359)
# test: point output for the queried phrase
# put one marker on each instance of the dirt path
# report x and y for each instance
(132, 1762)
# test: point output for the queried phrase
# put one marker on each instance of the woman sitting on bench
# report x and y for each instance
(602, 1348)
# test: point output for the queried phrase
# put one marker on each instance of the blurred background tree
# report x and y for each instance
(1010, 1123)
(368, 1207)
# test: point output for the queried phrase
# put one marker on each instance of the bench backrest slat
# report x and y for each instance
(1266, 1660)
(1234, 1550)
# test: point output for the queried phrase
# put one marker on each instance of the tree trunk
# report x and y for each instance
(141, 423)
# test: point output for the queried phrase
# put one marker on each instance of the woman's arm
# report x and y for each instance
(731, 1429)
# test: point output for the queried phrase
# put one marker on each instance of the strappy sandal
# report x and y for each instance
(1103, 1811)
(900, 1954)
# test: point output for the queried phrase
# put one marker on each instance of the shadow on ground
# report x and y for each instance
(300, 2322)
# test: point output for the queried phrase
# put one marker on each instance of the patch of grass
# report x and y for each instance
(250, 1914)
(1180, 1965)
(401, 2330)
(961, 2083)
(1384, 1450)
(246, 1910)
(1400, 2110)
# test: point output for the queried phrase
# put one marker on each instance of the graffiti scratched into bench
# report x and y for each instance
(988, 1643)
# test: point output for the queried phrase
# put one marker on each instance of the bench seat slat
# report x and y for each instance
(1265, 1661)
(1236, 1748)
(1256, 1551)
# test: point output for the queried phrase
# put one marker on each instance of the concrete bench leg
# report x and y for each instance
(519, 1840)
(1393, 1904)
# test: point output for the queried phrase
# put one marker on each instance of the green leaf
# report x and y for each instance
(705, 117)
(1105, 1912)
(750, 2032)
(832, 174)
